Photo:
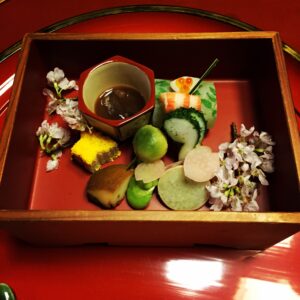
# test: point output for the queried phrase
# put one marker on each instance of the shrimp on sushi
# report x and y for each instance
(172, 100)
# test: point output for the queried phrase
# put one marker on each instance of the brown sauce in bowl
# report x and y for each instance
(119, 102)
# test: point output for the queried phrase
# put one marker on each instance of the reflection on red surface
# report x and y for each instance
(194, 275)
(250, 276)
(150, 273)
(7, 84)
(269, 280)
(8, 68)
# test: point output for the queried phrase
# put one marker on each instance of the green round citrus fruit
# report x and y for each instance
(149, 143)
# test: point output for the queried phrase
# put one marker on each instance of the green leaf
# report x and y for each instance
(212, 90)
(206, 103)
(211, 97)
(159, 81)
(161, 86)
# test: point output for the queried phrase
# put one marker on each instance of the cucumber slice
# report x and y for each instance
(184, 132)
(198, 116)
(186, 126)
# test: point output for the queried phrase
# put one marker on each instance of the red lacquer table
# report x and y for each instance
(97, 272)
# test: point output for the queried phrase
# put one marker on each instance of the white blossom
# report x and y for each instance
(243, 164)
(245, 167)
(57, 79)
(266, 138)
(214, 190)
(65, 84)
(226, 177)
(236, 204)
(70, 113)
(217, 204)
(253, 159)
(251, 206)
(43, 129)
(65, 107)
(55, 76)
(267, 166)
(53, 131)
(231, 163)
(52, 164)
(47, 92)
(247, 187)
(260, 175)
(53, 102)
(244, 132)
(224, 146)
(51, 136)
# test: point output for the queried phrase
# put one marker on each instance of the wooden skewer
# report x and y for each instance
(208, 70)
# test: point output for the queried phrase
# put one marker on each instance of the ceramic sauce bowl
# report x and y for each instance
(106, 92)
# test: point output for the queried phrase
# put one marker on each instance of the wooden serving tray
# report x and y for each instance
(252, 88)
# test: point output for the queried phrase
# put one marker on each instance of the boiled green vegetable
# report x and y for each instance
(137, 196)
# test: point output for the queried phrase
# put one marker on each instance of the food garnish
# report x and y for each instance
(70, 113)
(67, 109)
(94, 149)
(52, 139)
(59, 81)
(107, 187)
(243, 164)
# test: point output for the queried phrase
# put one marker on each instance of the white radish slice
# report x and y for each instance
(148, 172)
(200, 164)
(203, 148)
(179, 193)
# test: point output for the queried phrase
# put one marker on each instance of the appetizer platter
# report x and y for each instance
(205, 158)
(198, 177)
